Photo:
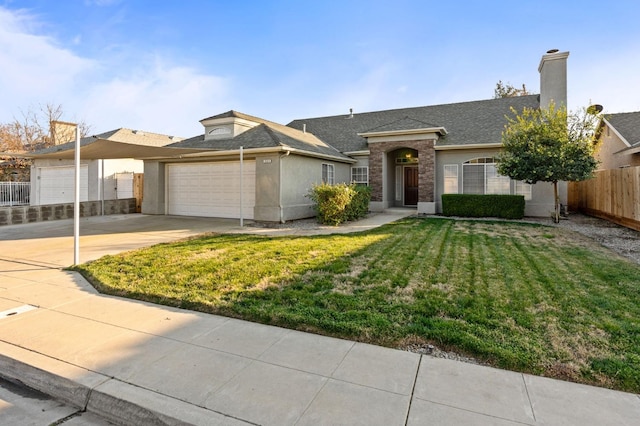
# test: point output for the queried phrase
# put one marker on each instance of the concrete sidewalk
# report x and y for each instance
(136, 363)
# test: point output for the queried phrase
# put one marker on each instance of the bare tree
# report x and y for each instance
(37, 129)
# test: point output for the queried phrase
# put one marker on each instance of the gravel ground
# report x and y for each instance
(619, 239)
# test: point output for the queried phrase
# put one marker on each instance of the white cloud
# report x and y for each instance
(34, 68)
(161, 98)
(123, 90)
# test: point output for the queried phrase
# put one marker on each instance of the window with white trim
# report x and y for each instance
(523, 188)
(450, 178)
(496, 183)
(480, 176)
(328, 173)
(360, 175)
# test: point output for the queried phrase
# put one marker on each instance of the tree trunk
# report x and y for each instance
(556, 198)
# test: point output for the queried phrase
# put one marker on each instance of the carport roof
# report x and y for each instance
(119, 143)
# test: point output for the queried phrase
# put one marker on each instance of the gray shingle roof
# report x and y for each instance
(466, 122)
(407, 123)
(265, 135)
(628, 125)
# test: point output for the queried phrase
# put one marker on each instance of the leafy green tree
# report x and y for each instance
(549, 145)
(506, 90)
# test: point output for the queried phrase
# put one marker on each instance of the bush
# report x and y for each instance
(340, 203)
(359, 205)
(472, 205)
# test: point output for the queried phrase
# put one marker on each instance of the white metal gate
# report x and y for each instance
(124, 185)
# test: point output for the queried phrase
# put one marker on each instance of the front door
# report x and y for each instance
(410, 186)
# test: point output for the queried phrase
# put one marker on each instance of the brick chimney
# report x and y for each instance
(553, 78)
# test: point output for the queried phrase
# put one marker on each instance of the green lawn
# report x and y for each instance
(524, 297)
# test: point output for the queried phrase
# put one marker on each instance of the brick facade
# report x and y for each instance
(426, 167)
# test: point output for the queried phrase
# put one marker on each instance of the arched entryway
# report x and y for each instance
(404, 177)
(402, 174)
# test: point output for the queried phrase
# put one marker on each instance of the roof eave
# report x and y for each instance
(617, 133)
(440, 130)
(468, 146)
(278, 149)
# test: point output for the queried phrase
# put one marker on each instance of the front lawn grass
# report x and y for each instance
(525, 297)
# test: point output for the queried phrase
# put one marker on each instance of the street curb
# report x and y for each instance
(114, 400)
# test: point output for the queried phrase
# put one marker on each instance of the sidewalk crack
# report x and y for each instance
(413, 389)
(526, 388)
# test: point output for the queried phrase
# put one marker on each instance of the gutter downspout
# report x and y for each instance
(102, 186)
(286, 154)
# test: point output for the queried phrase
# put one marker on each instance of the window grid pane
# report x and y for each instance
(450, 178)
(473, 178)
(496, 183)
(327, 173)
(523, 188)
(360, 175)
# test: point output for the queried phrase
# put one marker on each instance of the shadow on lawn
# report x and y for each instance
(430, 280)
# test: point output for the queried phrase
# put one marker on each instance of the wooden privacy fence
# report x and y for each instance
(138, 193)
(613, 195)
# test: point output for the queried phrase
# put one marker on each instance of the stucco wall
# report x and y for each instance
(299, 174)
(267, 207)
(541, 203)
(154, 196)
(609, 144)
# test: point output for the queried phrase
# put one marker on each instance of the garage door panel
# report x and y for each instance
(57, 184)
(210, 189)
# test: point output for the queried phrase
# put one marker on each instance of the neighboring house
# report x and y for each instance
(619, 141)
(106, 169)
(409, 157)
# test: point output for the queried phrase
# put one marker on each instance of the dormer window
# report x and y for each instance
(217, 131)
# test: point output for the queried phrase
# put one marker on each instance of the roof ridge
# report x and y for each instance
(271, 133)
(509, 99)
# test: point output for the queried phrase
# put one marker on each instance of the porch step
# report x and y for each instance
(407, 211)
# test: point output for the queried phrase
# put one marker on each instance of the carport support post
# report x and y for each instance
(76, 202)
(241, 187)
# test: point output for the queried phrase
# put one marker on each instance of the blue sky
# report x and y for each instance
(162, 66)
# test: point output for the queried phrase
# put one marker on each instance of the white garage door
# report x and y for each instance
(57, 184)
(211, 189)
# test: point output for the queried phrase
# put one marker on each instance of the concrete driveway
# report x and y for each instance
(51, 243)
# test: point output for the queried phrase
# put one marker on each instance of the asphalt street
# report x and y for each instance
(20, 405)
